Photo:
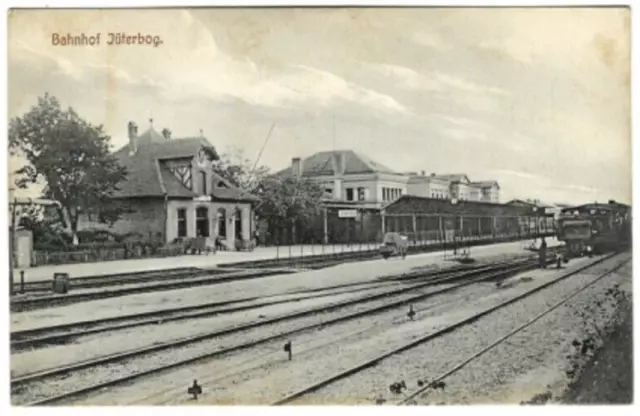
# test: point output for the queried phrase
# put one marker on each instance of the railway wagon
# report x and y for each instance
(594, 228)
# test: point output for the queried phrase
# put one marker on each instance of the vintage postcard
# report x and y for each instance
(320, 206)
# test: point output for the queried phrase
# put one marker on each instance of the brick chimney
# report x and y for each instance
(433, 175)
(296, 167)
(422, 173)
(166, 133)
(132, 129)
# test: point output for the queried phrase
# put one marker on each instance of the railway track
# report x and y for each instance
(88, 282)
(314, 387)
(56, 334)
(20, 305)
(410, 398)
(403, 296)
(159, 280)
(339, 257)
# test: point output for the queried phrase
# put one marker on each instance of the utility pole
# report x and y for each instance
(333, 133)
(12, 210)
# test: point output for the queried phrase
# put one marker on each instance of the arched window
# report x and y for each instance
(222, 223)
(202, 222)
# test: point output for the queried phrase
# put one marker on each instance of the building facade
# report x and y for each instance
(172, 192)
(349, 177)
(454, 186)
(358, 188)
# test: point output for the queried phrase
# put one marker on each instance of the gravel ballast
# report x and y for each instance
(510, 373)
(264, 384)
(364, 271)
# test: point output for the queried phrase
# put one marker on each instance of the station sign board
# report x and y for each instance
(348, 213)
(202, 198)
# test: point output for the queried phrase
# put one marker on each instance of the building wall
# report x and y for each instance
(361, 189)
(214, 217)
(440, 190)
(145, 216)
(374, 187)
(475, 193)
(462, 191)
(491, 195)
(429, 188)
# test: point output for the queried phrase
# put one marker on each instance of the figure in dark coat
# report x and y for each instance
(542, 254)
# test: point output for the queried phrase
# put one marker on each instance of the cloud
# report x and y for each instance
(465, 135)
(115, 72)
(431, 40)
(193, 65)
(324, 87)
(434, 81)
(461, 121)
(519, 174)
(64, 66)
(445, 86)
(567, 39)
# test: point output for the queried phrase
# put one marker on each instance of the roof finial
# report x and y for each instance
(150, 122)
(201, 133)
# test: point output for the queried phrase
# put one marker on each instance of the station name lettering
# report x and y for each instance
(111, 39)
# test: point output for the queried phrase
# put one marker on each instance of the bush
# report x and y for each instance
(95, 235)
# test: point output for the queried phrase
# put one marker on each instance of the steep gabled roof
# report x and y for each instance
(147, 176)
(321, 164)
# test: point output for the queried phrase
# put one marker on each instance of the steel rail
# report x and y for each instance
(153, 318)
(49, 373)
(500, 340)
(58, 300)
(36, 334)
(434, 335)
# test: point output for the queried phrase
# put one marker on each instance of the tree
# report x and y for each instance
(70, 154)
(285, 202)
(240, 171)
(288, 201)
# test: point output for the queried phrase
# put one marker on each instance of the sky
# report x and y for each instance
(537, 99)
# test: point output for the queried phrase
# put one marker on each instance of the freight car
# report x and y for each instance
(594, 228)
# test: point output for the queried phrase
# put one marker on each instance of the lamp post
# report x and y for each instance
(12, 205)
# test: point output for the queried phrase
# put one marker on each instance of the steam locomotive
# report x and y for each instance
(594, 228)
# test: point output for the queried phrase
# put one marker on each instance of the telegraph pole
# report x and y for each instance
(12, 206)
(333, 133)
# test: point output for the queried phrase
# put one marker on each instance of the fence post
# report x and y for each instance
(415, 228)
(493, 227)
(325, 226)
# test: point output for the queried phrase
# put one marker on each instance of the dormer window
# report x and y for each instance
(181, 169)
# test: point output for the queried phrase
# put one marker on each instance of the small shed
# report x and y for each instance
(23, 247)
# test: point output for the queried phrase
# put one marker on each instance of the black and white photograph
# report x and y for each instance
(344, 205)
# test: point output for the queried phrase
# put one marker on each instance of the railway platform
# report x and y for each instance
(347, 273)
(203, 261)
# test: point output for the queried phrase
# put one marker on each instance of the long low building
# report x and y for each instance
(421, 218)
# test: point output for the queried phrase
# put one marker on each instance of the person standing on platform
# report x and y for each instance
(542, 254)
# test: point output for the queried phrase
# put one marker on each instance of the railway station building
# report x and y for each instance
(172, 192)
(357, 189)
